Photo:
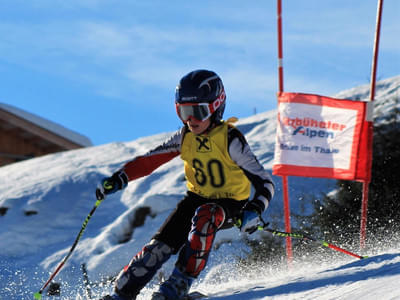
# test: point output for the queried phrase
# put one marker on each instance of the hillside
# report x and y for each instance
(44, 201)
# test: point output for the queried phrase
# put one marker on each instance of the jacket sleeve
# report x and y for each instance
(145, 164)
(260, 179)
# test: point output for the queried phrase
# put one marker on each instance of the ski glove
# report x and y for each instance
(250, 219)
(249, 222)
(109, 185)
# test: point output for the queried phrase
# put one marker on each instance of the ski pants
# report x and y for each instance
(190, 230)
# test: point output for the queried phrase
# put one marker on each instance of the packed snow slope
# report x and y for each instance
(44, 201)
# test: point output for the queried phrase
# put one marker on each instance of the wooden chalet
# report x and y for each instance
(24, 135)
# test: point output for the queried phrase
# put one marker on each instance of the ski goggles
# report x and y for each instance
(198, 111)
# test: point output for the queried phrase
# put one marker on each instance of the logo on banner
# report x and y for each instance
(312, 128)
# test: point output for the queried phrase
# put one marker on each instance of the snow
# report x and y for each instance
(387, 97)
(48, 125)
(49, 197)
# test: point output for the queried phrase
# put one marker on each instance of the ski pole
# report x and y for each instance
(304, 237)
(38, 295)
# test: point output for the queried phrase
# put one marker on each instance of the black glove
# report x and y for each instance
(109, 185)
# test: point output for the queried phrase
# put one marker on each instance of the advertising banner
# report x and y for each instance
(318, 136)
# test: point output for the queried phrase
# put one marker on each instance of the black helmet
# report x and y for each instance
(202, 86)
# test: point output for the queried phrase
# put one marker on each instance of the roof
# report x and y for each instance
(48, 125)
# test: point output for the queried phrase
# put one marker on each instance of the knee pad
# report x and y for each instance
(207, 219)
(142, 268)
(205, 224)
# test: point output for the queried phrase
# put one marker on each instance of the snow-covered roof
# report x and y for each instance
(48, 125)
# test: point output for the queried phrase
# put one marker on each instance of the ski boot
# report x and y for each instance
(176, 287)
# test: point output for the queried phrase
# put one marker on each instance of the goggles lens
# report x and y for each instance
(200, 112)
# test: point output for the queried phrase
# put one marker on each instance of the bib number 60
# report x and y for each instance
(213, 173)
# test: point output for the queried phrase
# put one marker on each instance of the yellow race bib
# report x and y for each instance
(210, 172)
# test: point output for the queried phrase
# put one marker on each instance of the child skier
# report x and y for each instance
(220, 170)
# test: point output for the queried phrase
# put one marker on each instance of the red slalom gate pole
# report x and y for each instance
(286, 205)
(280, 47)
(369, 119)
(343, 250)
(286, 202)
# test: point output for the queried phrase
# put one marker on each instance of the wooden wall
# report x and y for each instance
(21, 139)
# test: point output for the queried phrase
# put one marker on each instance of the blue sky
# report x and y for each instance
(108, 69)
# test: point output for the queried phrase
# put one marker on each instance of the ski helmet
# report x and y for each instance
(200, 87)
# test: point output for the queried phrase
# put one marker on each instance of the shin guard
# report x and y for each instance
(205, 224)
(141, 269)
